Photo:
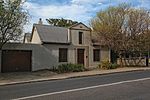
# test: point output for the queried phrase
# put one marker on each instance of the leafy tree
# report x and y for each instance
(123, 29)
(61, 22)
(12, 19)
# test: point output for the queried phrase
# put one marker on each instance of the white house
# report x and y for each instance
(48, 46)
(69, 45)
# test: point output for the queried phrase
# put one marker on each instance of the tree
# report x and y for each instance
(61, 22)
(122, 28)
(12, 19)
(138, 32)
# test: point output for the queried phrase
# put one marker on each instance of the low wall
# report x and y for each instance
(128, 62)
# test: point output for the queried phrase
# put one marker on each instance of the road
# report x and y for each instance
(118, 86)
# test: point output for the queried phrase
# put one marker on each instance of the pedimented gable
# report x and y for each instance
(80, 26)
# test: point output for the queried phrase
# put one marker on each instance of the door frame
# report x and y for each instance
(83, 56)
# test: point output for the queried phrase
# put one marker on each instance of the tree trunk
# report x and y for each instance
(121, 60)
(0, 60)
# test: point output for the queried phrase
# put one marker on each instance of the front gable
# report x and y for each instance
(80, 26)
(35, 38)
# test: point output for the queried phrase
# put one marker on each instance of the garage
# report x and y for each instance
(16, 60)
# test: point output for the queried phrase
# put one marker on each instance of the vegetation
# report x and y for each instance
(107, 65)
(64, 68)
(61, 22)
(12, 19)
(123, 29)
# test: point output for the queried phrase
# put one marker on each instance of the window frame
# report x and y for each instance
(63, 54)
(80, 37)
(96, 57)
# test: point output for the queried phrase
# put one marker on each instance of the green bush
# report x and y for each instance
(107, 65)
(114, 66)
(64, 68)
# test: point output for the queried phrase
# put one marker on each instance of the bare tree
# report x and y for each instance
(123, 29)
(110, 26)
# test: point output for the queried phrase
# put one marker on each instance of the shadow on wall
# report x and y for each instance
(42, 58)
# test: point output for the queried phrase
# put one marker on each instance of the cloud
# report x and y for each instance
(86, 1)
(73, 11)
(78, 10)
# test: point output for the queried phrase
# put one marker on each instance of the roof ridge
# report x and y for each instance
(51, 26)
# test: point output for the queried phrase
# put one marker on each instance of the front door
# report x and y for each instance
(80, 56)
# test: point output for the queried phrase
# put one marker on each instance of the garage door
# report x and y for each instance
(16, 61)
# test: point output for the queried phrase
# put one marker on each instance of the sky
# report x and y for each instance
(77, 10)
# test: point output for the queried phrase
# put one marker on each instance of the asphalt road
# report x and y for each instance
(119, 86)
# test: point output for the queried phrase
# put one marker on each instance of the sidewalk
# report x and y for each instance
(18, 78)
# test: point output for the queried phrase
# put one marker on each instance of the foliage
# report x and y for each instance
(107, 65)
(123, 29)
(61, 22)
(114, 66)
(63, 68)
(12, 19)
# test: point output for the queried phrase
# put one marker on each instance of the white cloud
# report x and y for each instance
(71, 11)
(78, 10)
(88, 2)
(85, 1)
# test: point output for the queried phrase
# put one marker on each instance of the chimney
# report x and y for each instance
(40, 21)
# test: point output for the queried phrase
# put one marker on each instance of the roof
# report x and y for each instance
(52, 34)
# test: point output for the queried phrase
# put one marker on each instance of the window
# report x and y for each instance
(96, 54)
(63, 54)
(80, 37)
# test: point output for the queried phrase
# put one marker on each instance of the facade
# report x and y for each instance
(51, 46)
(69, 45)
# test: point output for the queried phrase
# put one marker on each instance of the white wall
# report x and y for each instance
(104, 55)
(43, 57)
(74, 33)
(35, 37)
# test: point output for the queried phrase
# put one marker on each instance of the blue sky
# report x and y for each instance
(78, 10)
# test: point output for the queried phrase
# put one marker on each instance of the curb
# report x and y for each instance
(61, 78)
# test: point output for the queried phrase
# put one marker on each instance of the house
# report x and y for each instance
(27, 37)
(70, 45)
(49, 46)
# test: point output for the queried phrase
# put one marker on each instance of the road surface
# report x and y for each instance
(118, 86)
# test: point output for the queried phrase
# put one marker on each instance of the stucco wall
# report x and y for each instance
(42, 58)
(74, 34)
(54, 49)
(75, 37)
(104, 55)
(35, 37)
(46, 56)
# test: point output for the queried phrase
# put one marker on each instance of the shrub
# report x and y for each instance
(104, 64)
(107, 65)
(114, 66)
(63, 68)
